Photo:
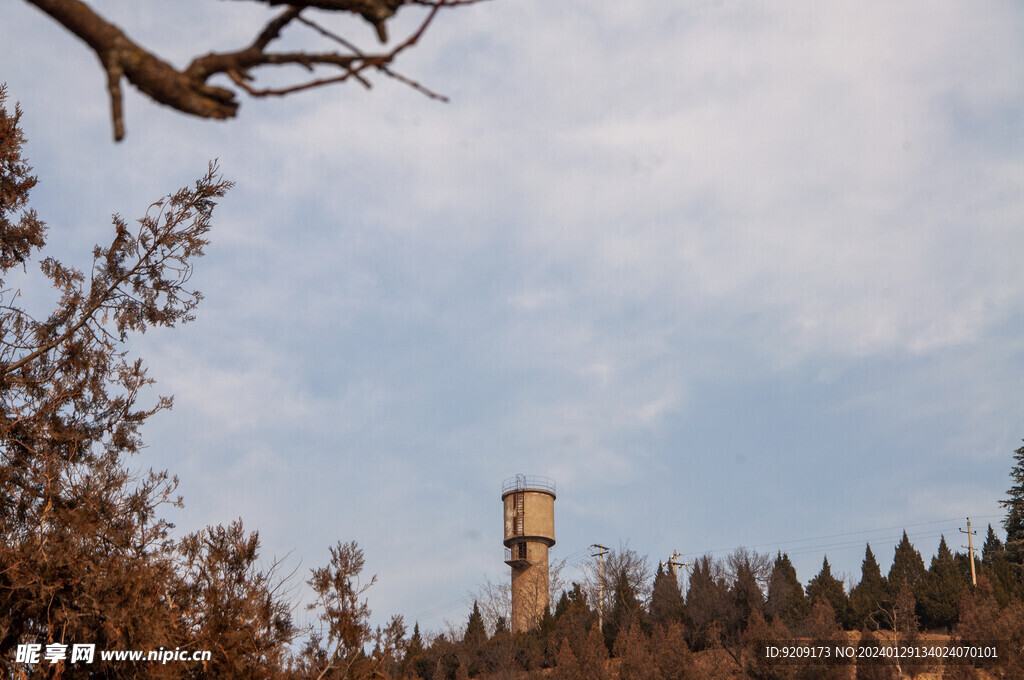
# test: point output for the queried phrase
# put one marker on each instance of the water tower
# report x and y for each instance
(529, 533)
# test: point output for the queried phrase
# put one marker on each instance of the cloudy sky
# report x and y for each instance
(732, 273)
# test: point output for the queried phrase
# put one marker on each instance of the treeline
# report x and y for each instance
(735, 606)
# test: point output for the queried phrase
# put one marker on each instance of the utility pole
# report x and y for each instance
(674, 565)
(970, 548)
(601, 552)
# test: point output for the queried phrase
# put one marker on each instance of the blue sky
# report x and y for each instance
(730, 273)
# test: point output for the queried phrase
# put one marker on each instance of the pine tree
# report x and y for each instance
(666, 599)
(1014, 504)
(567, 666)
(746, 595)
(869, 667)
(821, 628)
(636, 662)
(626, 609)
(826, 587)
(705, 602)
(476, 632)
(941, 590)
(672, 655)
(594, 656)
(786, 599)
(414, 648)
(868, 595)
(907, 565)
(992, 546)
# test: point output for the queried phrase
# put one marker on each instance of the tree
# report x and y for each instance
(230, 606)
(868, 595)
(636, 660)
(826, 587)
(821, 628)
(624, 582)
(189, 89)
(1014, 504)
(594, 656)
(666, 599)
(748, 570)
(706, 600)
(567, 667)
(85, 554)
(907, 565)
(672, 655)
(476, 633)
(337, 648)
(785, 599)
(941, 590)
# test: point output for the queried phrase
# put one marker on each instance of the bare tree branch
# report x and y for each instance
(188, 90)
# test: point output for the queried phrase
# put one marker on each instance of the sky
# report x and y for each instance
(731, 273)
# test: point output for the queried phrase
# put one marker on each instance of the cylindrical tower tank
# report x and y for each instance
(529, 532)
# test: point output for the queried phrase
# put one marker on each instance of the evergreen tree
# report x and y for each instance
(786, 600)
(672, 656)
(636, 661)
(746, 596)
(666, 599)
(501, 625)
(992, 546)
(997, 568)
(821, 628)
(626, 609)
(870, 594)
(868, 667)
(941, 590)
(476, 632)
(827, 587)
(415, 646)
(907, 565)
(705, 601)
(979, 615)
(1014, 504)
(567, 666)
(594, 656)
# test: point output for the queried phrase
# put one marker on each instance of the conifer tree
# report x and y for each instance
(594, 656)
(821, 628)
(501, 625)
(868, 595)
(941, 590)
(414, 648)
(870, 664)
(756, 635)
(907, 565)
(567, 666)
(636, 661)
(666, 599)
(997, 568)
(672, 655)
(1014, 504)
(979, 615)
(476, 632)
(992, 546)
(827, 587)
(705, 601)
(745, 593)
(786, 599)
(626, 609)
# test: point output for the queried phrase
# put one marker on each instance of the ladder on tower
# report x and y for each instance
(520, 514)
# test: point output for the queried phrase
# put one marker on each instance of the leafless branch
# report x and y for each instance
(188, 90)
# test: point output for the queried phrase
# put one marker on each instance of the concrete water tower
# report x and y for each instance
(529, 533)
